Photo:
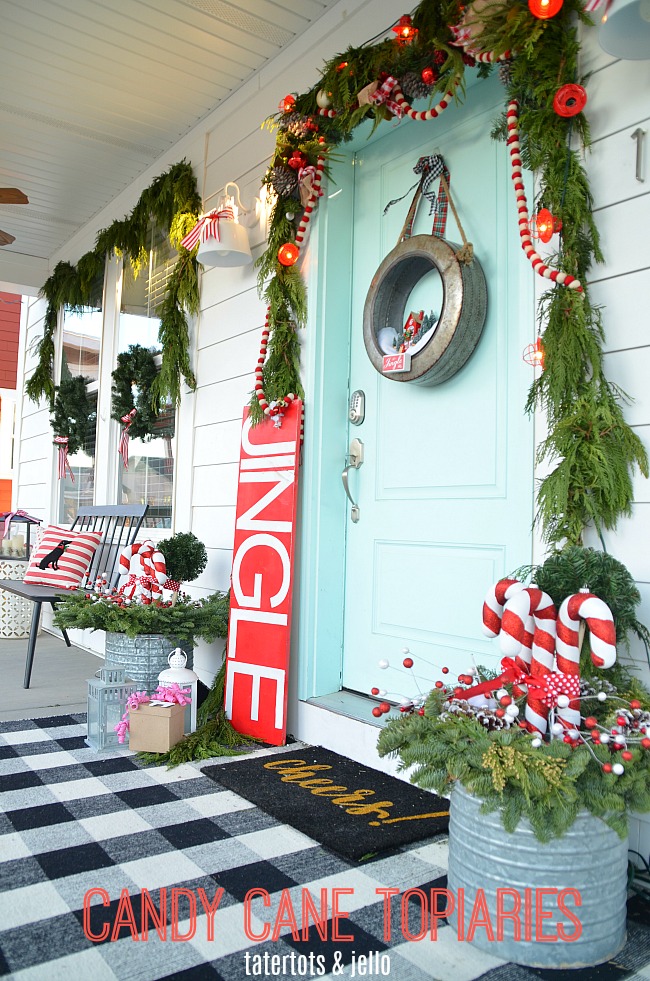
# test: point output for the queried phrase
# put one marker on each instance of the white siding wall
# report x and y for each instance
(33, 434)
(618, 104)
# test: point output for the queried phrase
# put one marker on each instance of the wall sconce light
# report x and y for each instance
(224, 239)
(625, 30)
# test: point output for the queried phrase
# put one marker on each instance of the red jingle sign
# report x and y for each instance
(262, 576)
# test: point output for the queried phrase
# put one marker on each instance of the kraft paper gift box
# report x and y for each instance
(155, 728)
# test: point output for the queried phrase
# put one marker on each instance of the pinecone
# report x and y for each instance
(486, 717)
(413, 87)
(294, 124)
(505, 71)
(284, 181)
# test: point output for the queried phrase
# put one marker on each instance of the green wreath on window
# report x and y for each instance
(132, 389)
(74, 414)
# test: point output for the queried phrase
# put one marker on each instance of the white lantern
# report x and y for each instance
(177, 673)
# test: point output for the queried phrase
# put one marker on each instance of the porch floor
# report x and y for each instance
(58, 684)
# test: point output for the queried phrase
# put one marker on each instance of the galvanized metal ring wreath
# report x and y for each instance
(132, 389)
(426, 353)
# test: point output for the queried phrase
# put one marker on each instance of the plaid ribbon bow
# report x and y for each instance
(382, 97)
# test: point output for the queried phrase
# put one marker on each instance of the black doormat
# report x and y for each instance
(347, 807)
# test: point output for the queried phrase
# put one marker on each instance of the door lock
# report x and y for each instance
(357, 411)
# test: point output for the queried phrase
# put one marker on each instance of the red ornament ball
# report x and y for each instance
(428, 76)
(440, 57)
(590, 722)
(645, 743)
(595, 735)
(438, 684)
(506, 700)
(288, 254)
(500, 713)
(377, 712)
(374, 691)
(408, 662)
(569, 100)
(626, 755)
(621, 720)
(445, 670)
(635, 704)
(607, 767)
(384, 706)
(420, 711)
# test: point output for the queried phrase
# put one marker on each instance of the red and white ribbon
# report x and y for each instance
(64, 463)
(8, 516)
(275, 409)
(123, 448)
(312, 201)
(207, 227)
(427, 114)
(556, 275)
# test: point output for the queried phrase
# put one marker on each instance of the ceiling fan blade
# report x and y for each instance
(6, 238)
(11, 195)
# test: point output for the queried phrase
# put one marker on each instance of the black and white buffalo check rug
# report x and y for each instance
(94, 850)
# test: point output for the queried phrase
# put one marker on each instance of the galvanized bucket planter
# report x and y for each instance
(462, 316)
(590, 858)
(143, 657)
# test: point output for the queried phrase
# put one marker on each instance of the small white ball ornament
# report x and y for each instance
(604, 738)
(618, 769)
(602, 696)
(536, 742)
(290, 216)
(557, 728)
(406, 650)
(382, 692)
(383, 664)
(501, 692)
(512, 711)
(563, 701)
(323, 100)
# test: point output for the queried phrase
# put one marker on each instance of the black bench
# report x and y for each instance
(119, 524)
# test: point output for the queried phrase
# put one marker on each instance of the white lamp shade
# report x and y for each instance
(626, 32)
(232, 248)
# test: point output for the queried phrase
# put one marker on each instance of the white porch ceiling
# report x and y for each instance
(92, 93)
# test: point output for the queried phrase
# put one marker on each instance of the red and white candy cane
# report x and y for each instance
(145, 568)
(583, 607)
(531, 601)
(314, 195)
(489, 56)
(275, 409)
(493, 606)
(432, 113)
(556, 275)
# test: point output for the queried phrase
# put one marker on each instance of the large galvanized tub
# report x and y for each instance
(590, 859)
(143, 657)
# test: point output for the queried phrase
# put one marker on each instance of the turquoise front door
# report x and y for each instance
(445, 491)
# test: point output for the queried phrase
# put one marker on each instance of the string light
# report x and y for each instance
(405, 31)
(544, 9)
(288, 254)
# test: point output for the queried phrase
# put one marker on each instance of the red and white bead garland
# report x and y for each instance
(275, 409)
(564, 279)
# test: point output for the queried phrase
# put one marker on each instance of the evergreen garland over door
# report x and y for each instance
(445, 491)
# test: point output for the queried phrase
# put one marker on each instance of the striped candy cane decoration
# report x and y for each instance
(531, 601)
(489, 56)
(272, 410)
(493, 606)
(312, 200)
(556, 275)
(583, 607)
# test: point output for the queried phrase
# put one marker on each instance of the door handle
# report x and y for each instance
(356, 459)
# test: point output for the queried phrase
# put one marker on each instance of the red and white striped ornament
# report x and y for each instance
(556, 275)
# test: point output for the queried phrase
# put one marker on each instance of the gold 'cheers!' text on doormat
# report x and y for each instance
(350, 808)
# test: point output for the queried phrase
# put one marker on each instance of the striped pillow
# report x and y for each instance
(62, 557)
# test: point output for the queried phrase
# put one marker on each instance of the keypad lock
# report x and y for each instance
(357, 407)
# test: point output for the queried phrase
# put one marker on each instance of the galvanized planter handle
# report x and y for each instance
(462, 317)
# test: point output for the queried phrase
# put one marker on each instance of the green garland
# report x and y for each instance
(136, 367)
(596, 449)
(173, 203)
(73, 413)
